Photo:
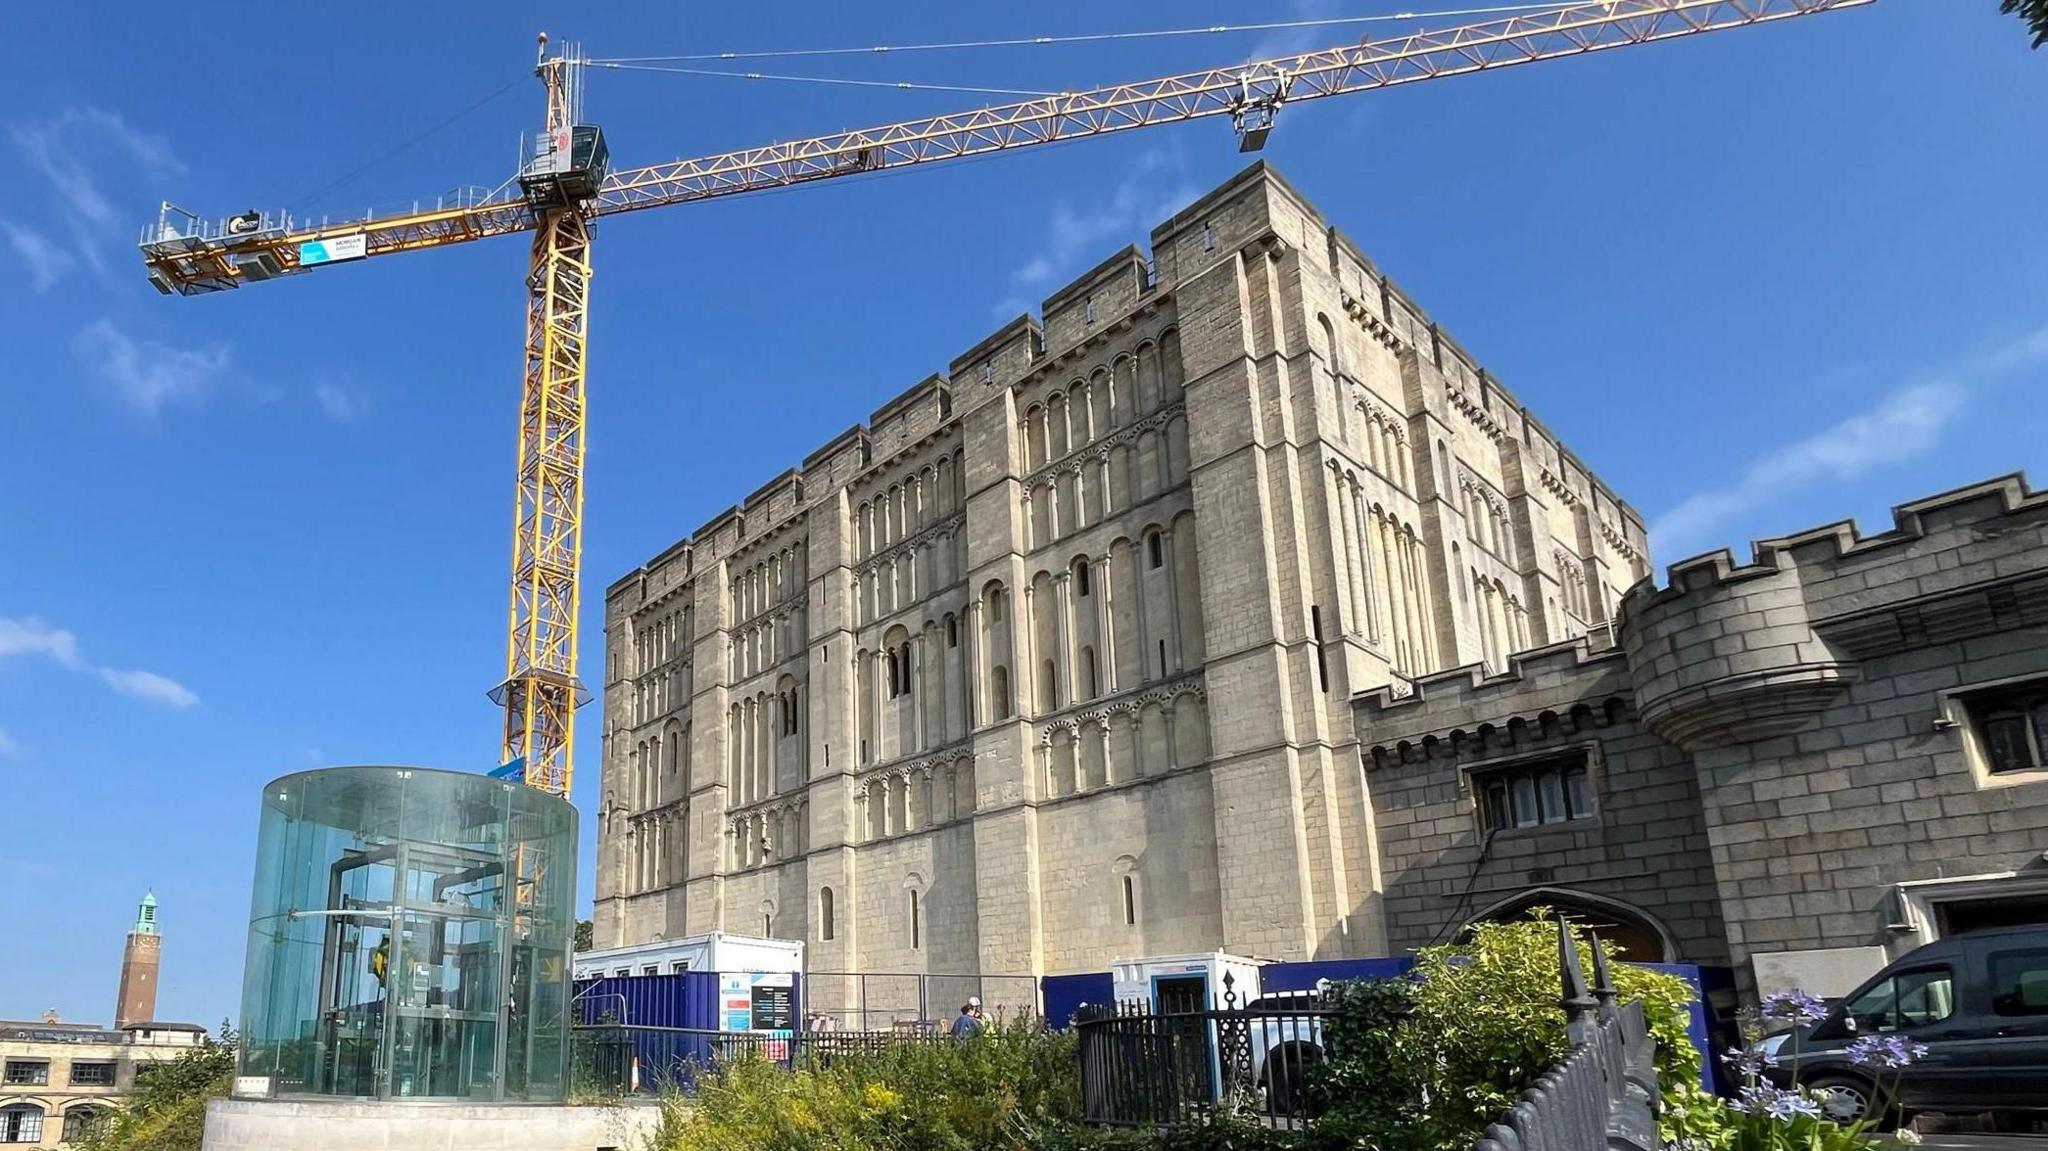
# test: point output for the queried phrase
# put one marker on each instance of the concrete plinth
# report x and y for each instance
(363, 1125)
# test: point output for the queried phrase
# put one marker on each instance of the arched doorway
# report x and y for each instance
(1628, 932)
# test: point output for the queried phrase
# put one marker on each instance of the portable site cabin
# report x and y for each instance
(1175, 983)
(714, 982)
(716, 951)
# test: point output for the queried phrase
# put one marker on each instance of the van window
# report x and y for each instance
(2019, 981)
(1907, 999)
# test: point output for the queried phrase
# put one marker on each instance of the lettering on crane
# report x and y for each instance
(333, 251)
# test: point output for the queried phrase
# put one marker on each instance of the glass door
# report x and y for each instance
(445, 992)
(354, 1023)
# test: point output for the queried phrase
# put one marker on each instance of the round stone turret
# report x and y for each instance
(1726, 654)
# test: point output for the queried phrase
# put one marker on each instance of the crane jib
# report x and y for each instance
(566, 181)
(188, 257)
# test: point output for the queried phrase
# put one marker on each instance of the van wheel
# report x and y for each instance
(1847, 1098)
(1287, 1076)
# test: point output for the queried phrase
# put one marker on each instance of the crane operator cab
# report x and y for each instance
(568, 161)
(566, 167)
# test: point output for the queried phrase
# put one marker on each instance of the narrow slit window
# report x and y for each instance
(1315, 619)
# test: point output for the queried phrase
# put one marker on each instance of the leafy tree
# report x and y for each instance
(585, 934)
(2034, 12)
(167, 1111)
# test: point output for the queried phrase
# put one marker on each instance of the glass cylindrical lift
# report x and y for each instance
(409, 938)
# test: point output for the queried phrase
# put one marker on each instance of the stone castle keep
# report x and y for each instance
(1051, 661)
(1234, 606)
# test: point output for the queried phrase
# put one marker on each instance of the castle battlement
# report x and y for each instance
(1101, 305)
(1980, 503)
(1728, 651)
(1472, 686)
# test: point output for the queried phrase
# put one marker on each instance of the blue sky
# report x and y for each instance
(1759, 280)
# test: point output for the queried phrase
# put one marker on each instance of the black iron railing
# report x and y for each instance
(616, 1059)
(1147, 1068)
(1602, 1094)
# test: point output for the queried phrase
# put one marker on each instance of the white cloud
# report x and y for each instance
(32, 636)
(64, 150)
(45, 259)
(149, 687)
(57, 148)
(1072, 235)
(1905, 423)
(8, 744)
(341, 403)
(29, 635)
(145, 374)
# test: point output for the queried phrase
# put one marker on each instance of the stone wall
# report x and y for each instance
(1788, 761)
(1641, 855)
(1061, 641)
(1834, 799)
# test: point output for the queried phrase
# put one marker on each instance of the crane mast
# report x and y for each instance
(565, 183)
(541, 691)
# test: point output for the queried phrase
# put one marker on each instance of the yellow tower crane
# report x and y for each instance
(566, 183)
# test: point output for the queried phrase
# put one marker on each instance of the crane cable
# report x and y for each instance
(348, 177)
(902, 85)
(1094, 37)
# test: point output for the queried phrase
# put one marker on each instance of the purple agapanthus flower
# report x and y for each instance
(1793, 1007)
(1749, 1061)
(1886, 1051)
(1774, 1102)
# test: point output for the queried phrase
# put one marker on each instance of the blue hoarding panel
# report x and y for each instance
(683, 999)
(1303, 976)
(1063, 994)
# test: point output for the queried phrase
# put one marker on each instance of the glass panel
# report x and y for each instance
(1874, 1009)
(2019, 981)
(2005, 743)
(1925, 997)
(1550, 790)
(1578, 793)
(405, 926)
(1496, 800)
(1525, 801)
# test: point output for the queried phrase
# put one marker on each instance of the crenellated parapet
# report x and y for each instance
(1731, 652)
(1554, 678)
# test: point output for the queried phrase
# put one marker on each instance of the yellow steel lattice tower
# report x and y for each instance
(541, 691)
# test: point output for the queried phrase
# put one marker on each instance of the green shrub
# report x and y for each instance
(1428, 1061)
(753, 1105)
(1366, 1088)
(167, 1111)
(1416, 1064)
(1487, 1022)
(1013, 1083)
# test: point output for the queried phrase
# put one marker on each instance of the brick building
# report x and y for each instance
(1802, 765)
(1050, 660)
(60, 1080)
